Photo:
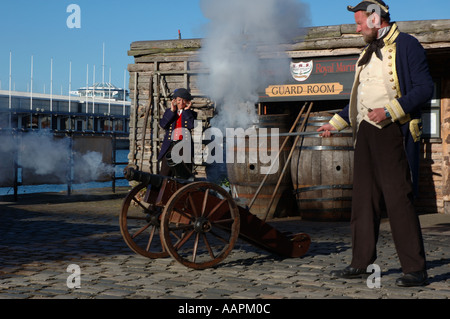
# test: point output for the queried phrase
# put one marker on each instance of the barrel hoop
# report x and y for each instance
(335, 210)
(244, 195)
(321, 187)
(326, 148)
(319, 118)
(251, 184)
(328, 199)
(316, 123)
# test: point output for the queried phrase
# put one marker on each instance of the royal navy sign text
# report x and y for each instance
(328, 78)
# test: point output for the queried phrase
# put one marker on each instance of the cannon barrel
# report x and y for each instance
(132, 174)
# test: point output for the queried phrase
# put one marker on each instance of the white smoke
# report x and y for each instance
(90, 166)
(43, 155)
(49, 158)
(239, 32)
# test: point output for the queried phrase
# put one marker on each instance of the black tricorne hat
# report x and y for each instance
(364, 5)
(183, 93)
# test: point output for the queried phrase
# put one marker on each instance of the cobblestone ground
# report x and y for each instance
(41, 237)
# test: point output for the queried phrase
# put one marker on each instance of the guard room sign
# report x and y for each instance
(326, 78)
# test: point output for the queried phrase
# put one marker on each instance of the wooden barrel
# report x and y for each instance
(322, 172)
(245, 178)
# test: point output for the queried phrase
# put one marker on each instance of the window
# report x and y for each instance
(431, 115)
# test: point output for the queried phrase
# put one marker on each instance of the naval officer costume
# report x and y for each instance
(392, 72)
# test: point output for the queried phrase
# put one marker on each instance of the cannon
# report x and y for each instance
(195, 222)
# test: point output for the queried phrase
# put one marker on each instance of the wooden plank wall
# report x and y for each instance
(153, 78)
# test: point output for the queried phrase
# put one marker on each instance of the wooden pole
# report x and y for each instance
(156, 116)
(276, 159)
(287, 161)
(135, 120)
(147, 113)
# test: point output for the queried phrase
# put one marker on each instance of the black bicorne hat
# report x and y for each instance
(364, 6)
(183, 93)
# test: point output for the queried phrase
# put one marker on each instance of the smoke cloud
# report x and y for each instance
(90, 166)
(238, 34)
(42, 156)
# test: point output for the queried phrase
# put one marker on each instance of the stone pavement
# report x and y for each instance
(42, 234)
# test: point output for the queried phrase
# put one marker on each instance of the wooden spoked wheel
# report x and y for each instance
(200, 225)
(140, 222)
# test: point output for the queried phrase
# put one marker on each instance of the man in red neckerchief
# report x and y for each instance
(177, 119)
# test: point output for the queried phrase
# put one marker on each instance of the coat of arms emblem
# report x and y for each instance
(302, 70)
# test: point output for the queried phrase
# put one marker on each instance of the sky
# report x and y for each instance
(54, 35)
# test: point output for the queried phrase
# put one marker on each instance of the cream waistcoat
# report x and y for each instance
(374, 89)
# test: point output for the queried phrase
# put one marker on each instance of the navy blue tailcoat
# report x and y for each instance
(168, 122)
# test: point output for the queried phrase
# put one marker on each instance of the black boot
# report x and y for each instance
(349, 273)
(418, 278)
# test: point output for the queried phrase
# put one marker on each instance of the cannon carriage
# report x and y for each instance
(195, 222)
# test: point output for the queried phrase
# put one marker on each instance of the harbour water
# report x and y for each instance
(121, 157)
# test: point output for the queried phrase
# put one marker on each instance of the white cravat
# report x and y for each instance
(383, 31)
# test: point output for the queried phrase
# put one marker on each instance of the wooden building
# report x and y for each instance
(162, 66)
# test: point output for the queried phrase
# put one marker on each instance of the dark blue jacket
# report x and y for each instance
(415, 89)
(169, 121)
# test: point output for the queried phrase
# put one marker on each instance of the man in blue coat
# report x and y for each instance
(392, 84)
(178, 121)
